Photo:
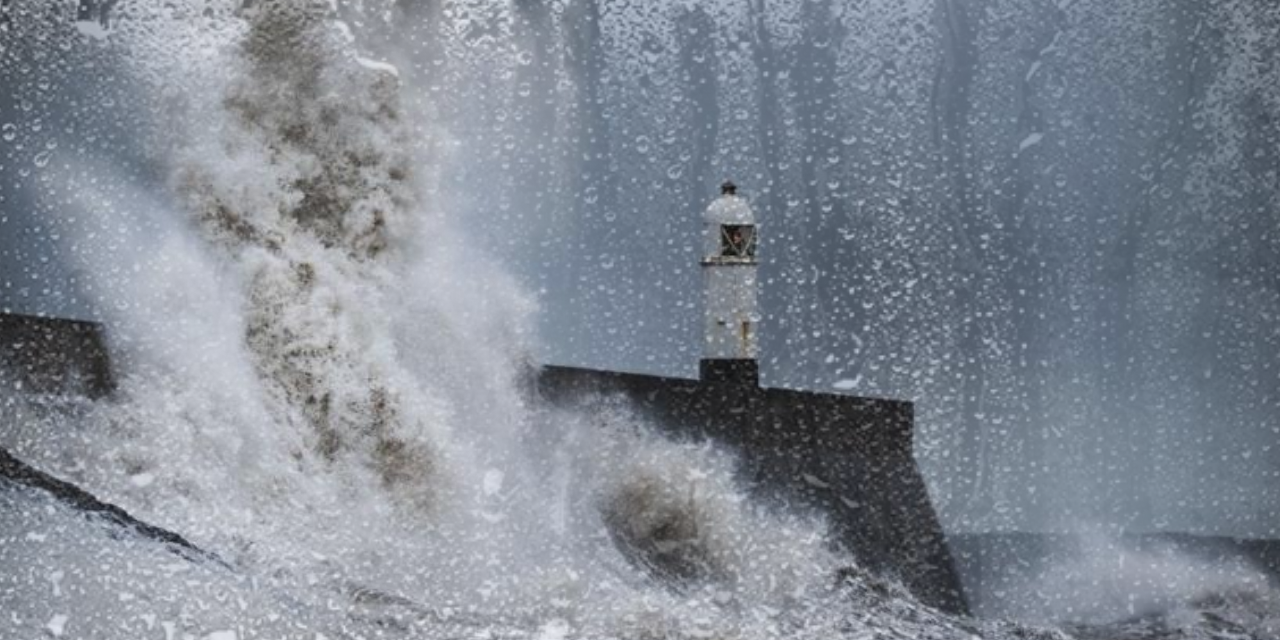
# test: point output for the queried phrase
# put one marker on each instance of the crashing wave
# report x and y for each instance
(321, 383)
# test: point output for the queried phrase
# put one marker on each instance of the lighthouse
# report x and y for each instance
(729, 284)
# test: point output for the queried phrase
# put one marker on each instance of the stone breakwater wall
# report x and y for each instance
(848, 458)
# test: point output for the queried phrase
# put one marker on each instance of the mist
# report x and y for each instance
(1050, 225)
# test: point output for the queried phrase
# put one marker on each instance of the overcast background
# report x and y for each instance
(1054, 225)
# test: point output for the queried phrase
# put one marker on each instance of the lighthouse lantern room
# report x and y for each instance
(729, 279)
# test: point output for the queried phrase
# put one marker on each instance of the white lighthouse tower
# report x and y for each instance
(729, 279)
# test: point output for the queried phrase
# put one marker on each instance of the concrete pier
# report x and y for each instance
(848, 458)
(54, 356)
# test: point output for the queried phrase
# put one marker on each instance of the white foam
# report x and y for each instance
(320, 381)
(92, 29)
(57, 625)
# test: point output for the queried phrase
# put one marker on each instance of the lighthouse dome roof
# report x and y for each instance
(729, 209)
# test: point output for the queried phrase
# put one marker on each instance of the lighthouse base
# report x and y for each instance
(740, 371)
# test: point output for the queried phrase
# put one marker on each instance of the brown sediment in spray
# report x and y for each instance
(316, 236)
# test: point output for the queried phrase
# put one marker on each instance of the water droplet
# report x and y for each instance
(9, 132)
(42, 159)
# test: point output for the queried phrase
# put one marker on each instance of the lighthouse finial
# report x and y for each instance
(729, 188)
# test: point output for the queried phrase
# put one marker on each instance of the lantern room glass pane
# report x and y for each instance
(737, 241)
